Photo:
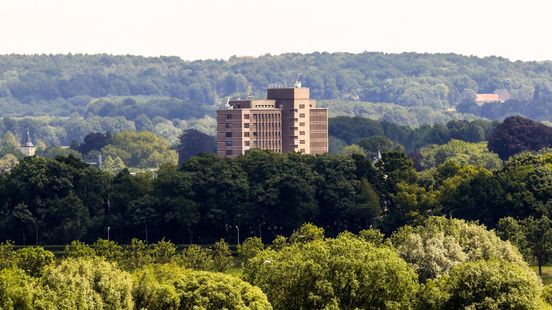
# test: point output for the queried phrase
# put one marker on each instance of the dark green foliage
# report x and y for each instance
(517, 134)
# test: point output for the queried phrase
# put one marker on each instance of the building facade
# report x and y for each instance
(287, 121)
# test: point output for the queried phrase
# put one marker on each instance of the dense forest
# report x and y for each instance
(172, 88)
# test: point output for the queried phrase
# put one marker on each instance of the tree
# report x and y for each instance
(464, 153)
(517, 134)
(345, 272)
(249, 248)
(440, 244)
(17, 289)
(101, 285)
(538, 233)
(33, 260)
(163, 252)
(491, 284)
(79, 249)
(172, 287)
(222, 257)
(193, 142)
(197, 258)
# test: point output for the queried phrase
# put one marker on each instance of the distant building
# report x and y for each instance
(28, 148)
(287, 121)
(499, 96)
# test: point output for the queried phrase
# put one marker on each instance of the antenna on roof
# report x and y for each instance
(297, 81)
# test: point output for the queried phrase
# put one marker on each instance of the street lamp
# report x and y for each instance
(238, 229)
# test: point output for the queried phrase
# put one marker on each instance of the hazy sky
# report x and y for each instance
(201, 29)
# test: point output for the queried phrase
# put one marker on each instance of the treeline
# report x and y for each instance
(440, 264)
(64, 84)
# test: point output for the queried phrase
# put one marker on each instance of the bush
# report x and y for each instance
(85, 283)
(546, 294)
(108, 249)
(172, 287)
(491, 284)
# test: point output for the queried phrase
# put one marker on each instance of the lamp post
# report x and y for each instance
(108, 228)
(238, 230)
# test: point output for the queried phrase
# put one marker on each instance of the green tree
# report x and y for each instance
(101, 285)
(222, 257)
(79, 249)
(341, 273)
(197, 258)
(17, 290)
(249, 248)
(33, 260)
(163, 252)
(490, 284)
(538, 233)
(440, 244)
(172, 287)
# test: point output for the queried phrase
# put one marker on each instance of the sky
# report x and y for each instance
(207, 29)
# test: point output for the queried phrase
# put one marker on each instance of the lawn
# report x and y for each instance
(546, 274)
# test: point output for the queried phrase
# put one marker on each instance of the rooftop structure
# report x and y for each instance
(286, 121)
(28, 148)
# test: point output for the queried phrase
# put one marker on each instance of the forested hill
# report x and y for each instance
(170, 87)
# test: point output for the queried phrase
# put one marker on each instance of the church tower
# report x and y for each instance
(28, 148)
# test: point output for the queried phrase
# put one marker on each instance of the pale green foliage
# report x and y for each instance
(172, 287)
(249, 248)
(163, 252)
(34, 259)
(546, 294)
(307, 232)
(87, 284)
(464, 153)
(79, 249)
(141, 149)
(353, 149)
(108, 249)
(7, 163)
(17, 290)
(136, 255)
(439, 244)
(346, 272)
(490, 284)
(113, 165)
(222, 257)
(371, 235)
(279, 242)
(197, 257)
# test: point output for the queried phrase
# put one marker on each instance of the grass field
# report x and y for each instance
(546, 274)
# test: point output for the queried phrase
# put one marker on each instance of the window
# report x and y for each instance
(228, 116)
(301, 141)
(302, 150)
(246, 143)
(301, 132)
(295, 110)
(246, 125)
(301, 106)
(254, 133)
(246, 116)
(246, 134)
(302, 124)
(302, 115)
(228, 143)
(228, 152)
(228, 135)
(228, 125)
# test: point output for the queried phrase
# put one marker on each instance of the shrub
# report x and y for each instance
(79, 249)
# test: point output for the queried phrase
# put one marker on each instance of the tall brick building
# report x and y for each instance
(287, 121)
